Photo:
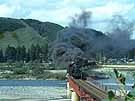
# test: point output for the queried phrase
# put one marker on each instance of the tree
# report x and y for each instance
(44, 52)
(28, 55)
(37, 52)
(18, 57)
(10, 53)
(1, 56)
(32, 53)
(23, 53)
(131, 53)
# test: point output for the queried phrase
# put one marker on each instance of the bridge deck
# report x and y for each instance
(90, 89)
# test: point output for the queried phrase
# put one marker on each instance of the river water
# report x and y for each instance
(112, 83)
(32, 90)
(49, 90)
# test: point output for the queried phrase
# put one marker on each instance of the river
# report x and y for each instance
(112, 83)
(33, 90)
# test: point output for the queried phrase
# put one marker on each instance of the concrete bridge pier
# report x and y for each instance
(71, 94)
(75, 97)
(69, 90)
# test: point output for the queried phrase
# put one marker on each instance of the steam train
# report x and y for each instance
(75, 68)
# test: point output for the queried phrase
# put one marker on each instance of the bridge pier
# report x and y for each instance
(75, 97)
(69, 90)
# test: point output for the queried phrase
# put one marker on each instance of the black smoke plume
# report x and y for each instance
(121, 31)
(81, 20)
(121, 28)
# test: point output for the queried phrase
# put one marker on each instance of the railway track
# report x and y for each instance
(92, 90)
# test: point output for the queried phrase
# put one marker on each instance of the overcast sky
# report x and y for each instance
(60, 11)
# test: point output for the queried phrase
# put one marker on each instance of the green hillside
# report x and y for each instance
(15, 32)
(45, 29)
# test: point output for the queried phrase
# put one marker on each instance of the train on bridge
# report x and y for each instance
(79, 88)
(79, 66)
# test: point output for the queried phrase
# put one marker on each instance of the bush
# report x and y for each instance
(59, 76)
(20, 71)
(14, 35)
(45, 75)
(19, 64)
(1, 35)
(37, 71)
(6, 76)
(50, 75)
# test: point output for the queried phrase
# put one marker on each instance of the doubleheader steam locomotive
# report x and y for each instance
(76, 68)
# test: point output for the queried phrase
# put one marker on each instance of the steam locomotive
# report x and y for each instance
(76, 68)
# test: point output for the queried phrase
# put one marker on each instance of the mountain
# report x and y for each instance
(25, 32)
(64, 43)
(45, 29)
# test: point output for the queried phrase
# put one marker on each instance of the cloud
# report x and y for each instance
(60, 11)
(5, 11)
(61, 16)
(103, 14)
(13, 9)
(109, 9)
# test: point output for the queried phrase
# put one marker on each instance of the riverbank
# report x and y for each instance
(46, 75)
(119, 66)
(31, 71)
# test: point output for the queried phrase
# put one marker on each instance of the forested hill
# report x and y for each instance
(25, 39)
(25, 32)
(28, 39)
(45, 29)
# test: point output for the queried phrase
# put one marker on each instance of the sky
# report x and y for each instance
(61, 11)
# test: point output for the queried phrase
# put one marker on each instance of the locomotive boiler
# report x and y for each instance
(79, 66)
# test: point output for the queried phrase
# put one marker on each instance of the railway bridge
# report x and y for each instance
(90, 89)
(85, 90)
